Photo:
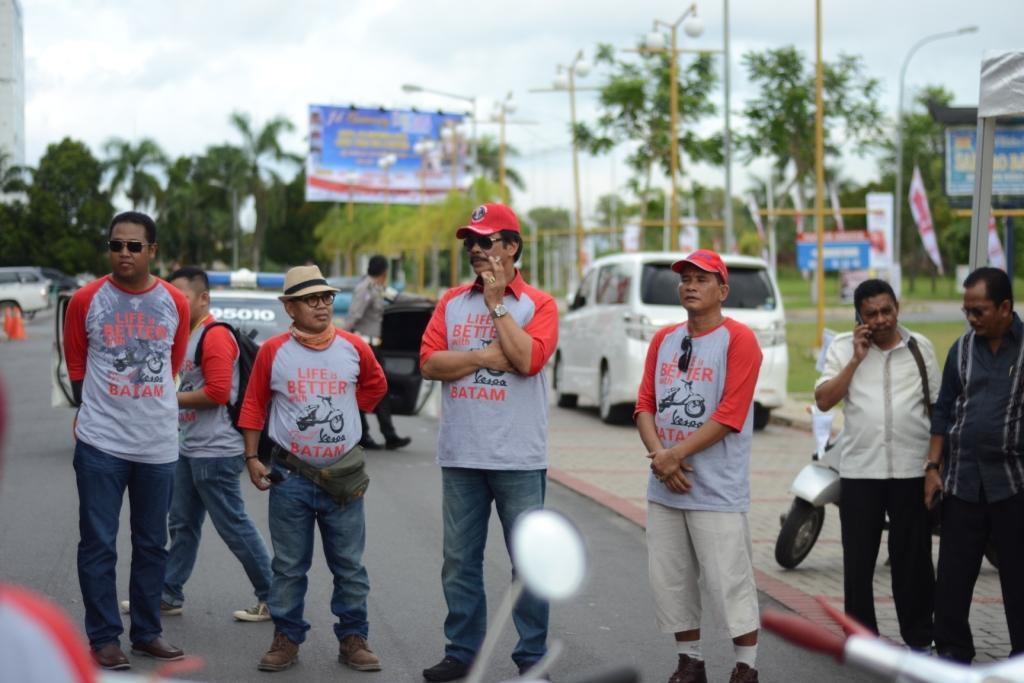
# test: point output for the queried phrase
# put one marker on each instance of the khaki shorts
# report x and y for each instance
(690, 548)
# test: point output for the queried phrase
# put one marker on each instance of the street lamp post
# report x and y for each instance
(899, 133)
(385, 163)
(412, 87)
(423, 148)
(578, 67)
(501, 111)
(693, 27)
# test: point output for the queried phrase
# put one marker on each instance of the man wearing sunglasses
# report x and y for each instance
(311, 383)
(694, 413)
(976, 460)
(365, 318)
(125, 337)
(488, 341)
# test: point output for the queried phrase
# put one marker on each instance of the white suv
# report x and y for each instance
(625, 298)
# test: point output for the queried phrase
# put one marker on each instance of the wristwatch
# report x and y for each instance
(932, 466)
(499, 311)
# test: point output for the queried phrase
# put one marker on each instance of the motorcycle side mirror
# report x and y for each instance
(549, 554)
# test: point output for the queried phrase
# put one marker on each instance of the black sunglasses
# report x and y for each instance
(482, 241)
(687, 351)
(320, 299)
(134, 246)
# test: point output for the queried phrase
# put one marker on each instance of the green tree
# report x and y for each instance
(635, 109)
(134, 169)
(12, 176)
(68, 211)
(488, 154)
(780, 118)
(292, 241)
(264, 155)
(549, 218)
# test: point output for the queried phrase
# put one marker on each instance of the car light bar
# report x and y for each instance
(246, 279)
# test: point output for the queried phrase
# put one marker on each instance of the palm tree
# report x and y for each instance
(261, 149)
(12, 177)
(132, 168)
(488, 158)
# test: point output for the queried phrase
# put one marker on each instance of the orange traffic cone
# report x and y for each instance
(8, 322)
(18, 326)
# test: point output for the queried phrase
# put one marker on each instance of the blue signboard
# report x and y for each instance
(1007, 161)
(850, 250)
(348, 144)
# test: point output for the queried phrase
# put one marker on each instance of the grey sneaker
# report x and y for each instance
(166, 609)
(258, 612)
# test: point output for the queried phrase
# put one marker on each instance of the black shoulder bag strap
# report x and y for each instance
(202, 338)
(919, 359)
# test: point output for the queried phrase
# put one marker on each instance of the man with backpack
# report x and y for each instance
(212, 450)
(887, 378)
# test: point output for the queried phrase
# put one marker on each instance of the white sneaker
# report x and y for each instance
(260, 612)
(165, 609)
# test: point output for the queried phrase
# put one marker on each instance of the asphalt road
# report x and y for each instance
(611, 623)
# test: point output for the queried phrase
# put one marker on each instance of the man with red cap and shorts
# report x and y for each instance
(695, 417)
(488, 342)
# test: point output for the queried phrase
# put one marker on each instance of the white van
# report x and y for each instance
(625, 298)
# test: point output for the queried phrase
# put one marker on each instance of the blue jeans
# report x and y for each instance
(466, 509)
(211, 485)
(296, 506)
(102, 480)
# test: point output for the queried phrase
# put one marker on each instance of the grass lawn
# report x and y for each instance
(800, 337)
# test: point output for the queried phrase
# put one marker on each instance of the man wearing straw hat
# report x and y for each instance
(309, 385)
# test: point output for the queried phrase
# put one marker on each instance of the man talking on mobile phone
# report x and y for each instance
(887, 378)
(975, 460)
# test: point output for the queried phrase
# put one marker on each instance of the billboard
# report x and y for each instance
(1007, 161)
(347, 144)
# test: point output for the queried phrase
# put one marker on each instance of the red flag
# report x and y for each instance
(923, 217)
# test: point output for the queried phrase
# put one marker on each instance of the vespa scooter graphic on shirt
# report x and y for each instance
(324, 413)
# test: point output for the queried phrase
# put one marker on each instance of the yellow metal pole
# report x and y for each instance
(454, 266)
(420, 259)
(501, 156)
(673, 99)
(819, 173)
(576, 173)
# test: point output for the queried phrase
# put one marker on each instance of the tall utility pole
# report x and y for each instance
(819, 171)
(730, 234)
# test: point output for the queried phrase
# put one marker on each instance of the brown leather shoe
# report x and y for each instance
(158, 648)
(356, 654)
(111, 657)
(742, 673)
(689, 670)
(282, 654)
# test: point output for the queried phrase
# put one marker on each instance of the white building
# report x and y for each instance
(12, 82)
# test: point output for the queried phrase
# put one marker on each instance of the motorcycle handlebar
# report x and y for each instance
(801, 632)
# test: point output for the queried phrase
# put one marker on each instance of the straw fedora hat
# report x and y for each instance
(302, 280)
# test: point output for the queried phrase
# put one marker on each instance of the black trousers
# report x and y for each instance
(382, 411)
(863, 504)
(966, 529)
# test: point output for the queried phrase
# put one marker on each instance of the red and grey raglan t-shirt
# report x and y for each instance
(208, 432)
(314, 396)
(38, 641)
(493, 420)
(126, 348)
(717, 385)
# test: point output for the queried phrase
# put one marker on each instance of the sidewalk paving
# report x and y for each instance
(607, 465)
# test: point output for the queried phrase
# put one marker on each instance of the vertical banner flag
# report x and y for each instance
(836, 213)
(923, 217)
(755, 215)
(798, 204)
(996, 256)
(880, 210)
(631, 237)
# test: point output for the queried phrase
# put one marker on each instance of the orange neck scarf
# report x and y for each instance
(318, 341)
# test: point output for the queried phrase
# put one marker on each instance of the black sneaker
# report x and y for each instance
(369, 444)
(397, 442)
(448, 669)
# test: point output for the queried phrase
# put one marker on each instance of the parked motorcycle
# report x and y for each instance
(863, 649)
(815, 486)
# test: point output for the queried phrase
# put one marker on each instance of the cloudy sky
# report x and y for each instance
(175, 70)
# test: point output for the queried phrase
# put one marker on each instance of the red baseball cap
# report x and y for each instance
(706, 260)
(488, 219)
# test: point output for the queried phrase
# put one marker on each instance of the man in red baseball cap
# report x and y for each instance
(488, 342)
(694, 414)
